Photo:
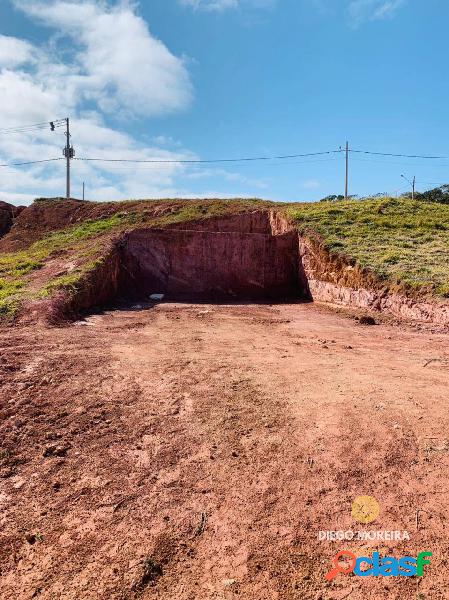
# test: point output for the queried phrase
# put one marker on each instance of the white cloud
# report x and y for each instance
(85, 66)
(222, 5)
(372, 10)
(14, 52)
(115, 60)
(210, 5)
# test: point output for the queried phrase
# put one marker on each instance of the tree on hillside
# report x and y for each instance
(439, 194)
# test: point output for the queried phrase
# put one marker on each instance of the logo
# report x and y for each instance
(365, 509)
(346, 562)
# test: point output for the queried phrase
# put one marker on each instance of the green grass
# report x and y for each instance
(15, 266)
(403, 241)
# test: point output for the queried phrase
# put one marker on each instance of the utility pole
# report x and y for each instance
(69, 153)
(83, 190)
(347, 171)
(412, 183)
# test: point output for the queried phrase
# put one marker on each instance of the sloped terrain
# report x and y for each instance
(8, 213)
(387, 255)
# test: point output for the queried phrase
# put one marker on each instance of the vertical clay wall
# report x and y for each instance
(250, 256)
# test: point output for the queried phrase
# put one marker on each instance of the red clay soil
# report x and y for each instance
(194, 452)
(53, 215)
(8, 212)
(42, 217)
(207, 264)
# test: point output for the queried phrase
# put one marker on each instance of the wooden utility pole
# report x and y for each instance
(347, 171)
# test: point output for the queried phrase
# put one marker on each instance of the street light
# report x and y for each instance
(412, 183)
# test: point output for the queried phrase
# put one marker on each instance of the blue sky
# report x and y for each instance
(199, 79)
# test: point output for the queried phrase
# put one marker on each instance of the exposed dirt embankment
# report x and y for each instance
(332, 279)
(8, 212)
(95, 289)
(47, 216)
(250, 256)
(195, 250)
(246, 256)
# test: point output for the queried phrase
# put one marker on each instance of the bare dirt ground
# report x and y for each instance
(195, 451)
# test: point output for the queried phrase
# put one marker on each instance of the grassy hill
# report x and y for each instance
(401, 241)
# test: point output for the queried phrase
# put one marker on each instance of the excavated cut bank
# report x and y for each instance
(242, 257)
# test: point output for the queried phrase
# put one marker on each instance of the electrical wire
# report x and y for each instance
(398, 155)
(32, 162)
(206, 161)
(114, 167)
(31, 128)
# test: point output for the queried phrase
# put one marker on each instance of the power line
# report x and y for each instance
(432, 182)
(271, 164)
(401, 163)
(399, 155)
(31, 128)
(207, 161)
(31, 162)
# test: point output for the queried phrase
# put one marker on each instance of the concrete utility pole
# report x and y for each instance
(69, 153)
(83, 190)
(412, 183)
(347, 171)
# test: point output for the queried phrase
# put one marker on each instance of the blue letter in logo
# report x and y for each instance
(358, 570)
(407, 566)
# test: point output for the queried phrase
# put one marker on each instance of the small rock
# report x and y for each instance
(229, 582)
(56, 451)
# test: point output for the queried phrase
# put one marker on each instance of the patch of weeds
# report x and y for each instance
(5, 454)
(67, 282)
(9, 308)
(443, 290)
(151, 571)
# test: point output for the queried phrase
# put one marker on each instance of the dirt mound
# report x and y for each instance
(48, 215)
(202, 250)
(8, 212)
